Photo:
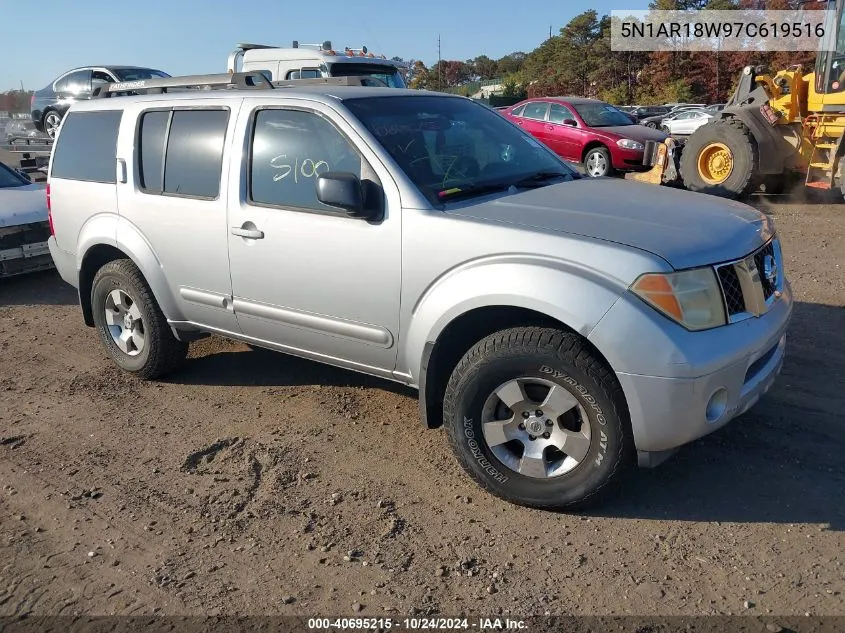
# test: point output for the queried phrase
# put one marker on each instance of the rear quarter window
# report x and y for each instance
(86, 148)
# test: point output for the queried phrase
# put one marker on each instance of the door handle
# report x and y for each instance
(550, 128)
(251, 234)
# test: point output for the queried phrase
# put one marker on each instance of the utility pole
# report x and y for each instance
(550, 31)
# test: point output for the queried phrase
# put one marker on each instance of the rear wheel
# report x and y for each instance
(536, 419)
(51, 123)
(132, 327)
(720, 159)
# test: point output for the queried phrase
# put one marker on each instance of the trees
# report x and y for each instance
(15, 100)
(579, 61)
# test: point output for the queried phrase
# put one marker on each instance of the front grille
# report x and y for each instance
(749, 284)
(732, 290)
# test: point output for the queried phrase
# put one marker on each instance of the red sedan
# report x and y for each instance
(586, 131)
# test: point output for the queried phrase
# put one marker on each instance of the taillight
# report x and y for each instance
(50, 212)
(32, 102)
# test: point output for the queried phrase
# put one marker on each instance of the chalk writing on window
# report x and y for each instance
(305, 168)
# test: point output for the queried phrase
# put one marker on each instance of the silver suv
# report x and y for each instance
(559, 328)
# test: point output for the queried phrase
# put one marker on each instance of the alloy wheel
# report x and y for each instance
(536, 427)
(125, 322)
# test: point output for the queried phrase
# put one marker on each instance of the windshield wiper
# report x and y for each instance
(534, 180)
(470, 191)
(538, 179)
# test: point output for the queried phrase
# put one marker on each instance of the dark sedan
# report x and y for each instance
(51, 102)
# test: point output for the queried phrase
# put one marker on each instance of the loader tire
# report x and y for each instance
(720, 159)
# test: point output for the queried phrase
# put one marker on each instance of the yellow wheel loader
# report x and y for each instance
(774, 128)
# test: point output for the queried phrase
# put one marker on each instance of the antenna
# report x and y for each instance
(439, 65)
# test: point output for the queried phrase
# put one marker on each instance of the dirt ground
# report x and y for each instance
(250, 483)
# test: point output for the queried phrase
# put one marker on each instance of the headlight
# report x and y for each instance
(690, 297)
(628, 143)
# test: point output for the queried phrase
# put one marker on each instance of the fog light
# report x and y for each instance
(717, 405)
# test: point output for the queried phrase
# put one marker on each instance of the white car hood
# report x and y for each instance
(23, 205)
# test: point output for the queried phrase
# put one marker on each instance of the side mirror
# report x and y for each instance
(343, 190)
(570, 122)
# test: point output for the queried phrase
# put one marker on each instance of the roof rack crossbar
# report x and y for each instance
(243, 80)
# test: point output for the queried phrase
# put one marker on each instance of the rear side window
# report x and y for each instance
(180, 152)
(536, 110)
(86, 148)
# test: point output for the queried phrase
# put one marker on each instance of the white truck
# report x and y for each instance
(314, 61)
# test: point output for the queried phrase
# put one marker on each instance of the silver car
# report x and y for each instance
(24, 226)
(686, 121)
(560, 328)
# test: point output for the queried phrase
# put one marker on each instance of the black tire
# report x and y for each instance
(651, 124)
(738, 139)
(161, 351)
(604, 154)
(564, 359)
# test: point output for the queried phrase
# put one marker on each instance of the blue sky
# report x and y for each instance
(186, 37)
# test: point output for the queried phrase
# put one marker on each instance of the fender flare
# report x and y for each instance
(519, 284)
(112, 230)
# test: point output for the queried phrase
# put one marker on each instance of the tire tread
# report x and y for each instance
(709, 131)
(167, 352)
(569, 347)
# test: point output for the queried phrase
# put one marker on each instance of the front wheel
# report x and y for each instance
(132, 327)
(597, 162)
(535, 418)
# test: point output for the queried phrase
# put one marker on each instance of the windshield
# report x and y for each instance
(452, 147)
(601, 115)
(388, 75)
(134, 74)
(9, 178)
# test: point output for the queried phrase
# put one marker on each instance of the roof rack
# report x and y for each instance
(351, 80)
(243, 80)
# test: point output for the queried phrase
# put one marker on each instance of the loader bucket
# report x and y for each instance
(664, 159)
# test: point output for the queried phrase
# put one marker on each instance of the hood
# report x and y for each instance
(639, 133)
(685, 229)
(23, 205)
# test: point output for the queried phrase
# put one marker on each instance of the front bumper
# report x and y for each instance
(21, 250)
(626, 159)
(696, 382)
